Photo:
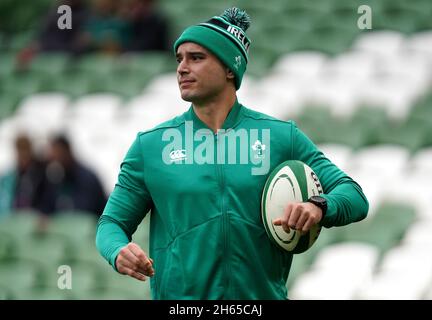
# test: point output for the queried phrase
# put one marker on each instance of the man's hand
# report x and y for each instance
(299, 216)
(133, 262)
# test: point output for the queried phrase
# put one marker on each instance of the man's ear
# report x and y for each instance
(230, 74)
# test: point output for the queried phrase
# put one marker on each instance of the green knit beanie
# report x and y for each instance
(225, 37)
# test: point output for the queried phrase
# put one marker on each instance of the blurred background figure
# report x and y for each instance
(23, 186)
(72, 186)
(149, 28)
(105, 31)
(52, 39)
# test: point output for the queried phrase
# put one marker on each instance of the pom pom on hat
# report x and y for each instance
(237, 17)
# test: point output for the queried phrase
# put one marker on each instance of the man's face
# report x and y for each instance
(201, 76)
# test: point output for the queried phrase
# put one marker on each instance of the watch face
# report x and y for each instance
(318, 199)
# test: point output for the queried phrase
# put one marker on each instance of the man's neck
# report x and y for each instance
(214, 112)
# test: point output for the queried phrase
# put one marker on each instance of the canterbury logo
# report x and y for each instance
(177, 155)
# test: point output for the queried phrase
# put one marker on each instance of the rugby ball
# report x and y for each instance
(291, 181)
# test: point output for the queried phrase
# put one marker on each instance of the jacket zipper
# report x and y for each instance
(225, 224)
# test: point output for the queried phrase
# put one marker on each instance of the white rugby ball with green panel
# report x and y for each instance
(291, 181)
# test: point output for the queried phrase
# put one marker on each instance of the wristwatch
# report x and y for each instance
(320, 202)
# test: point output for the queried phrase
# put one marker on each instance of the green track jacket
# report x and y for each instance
(203, 192)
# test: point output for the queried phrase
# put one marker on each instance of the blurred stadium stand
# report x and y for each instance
(365, 96)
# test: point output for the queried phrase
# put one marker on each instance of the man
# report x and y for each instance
(22, 187)
(72, 186)
(203, 188)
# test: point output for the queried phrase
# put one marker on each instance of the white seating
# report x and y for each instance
(302, 64)
(420, 234)
(352, 66)
(323, 285)
(420, 42)
(380, 42)
(384, 160)
(164, 84)
(409, 257)
(339, 154)
(394, 285)
(94, 108)
(422, 160)
(43, 112)
(358, 258)
(7, 156)
(339, 95)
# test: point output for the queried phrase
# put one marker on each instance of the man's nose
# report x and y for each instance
(183, 67)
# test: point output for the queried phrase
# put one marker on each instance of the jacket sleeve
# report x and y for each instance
(345, 198)
(126, 207)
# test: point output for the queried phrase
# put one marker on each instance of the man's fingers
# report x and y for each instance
(127, 261)
(301, 221)
(136, 275)
(294, 216)
(277, 221)
(309, 223)
(143, 260)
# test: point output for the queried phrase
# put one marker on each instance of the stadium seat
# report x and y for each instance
(109, 294)
(324, 285)
(6, 246)
(393, 286)
(337, 272)
(349, 255)
(420, 42)
(19, 223)
(43, 293)
(7, 65)
(141, 290)
(382, 159)
(99, 108)
(43, 111)
(53, 64)
(45, 249)
(8, 104)
(352, 66)
(339, 154)
(16, 275)
(74, 225)
(384, 43)
(418, 234)
(301, 64)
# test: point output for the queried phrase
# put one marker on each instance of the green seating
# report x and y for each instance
(108, 294)
(372, 120)
(412, 136)
(95, 64)
(16, 275)
(43, 293)
(8, 105)
(25, 83)
(53, 64)
(384, 230)
(77, 84)
(75, 226)
(6, 246)
(19, 223)
(84, 276)
(122, 282)
(7, 65)
(5, 294)
(45, 249)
